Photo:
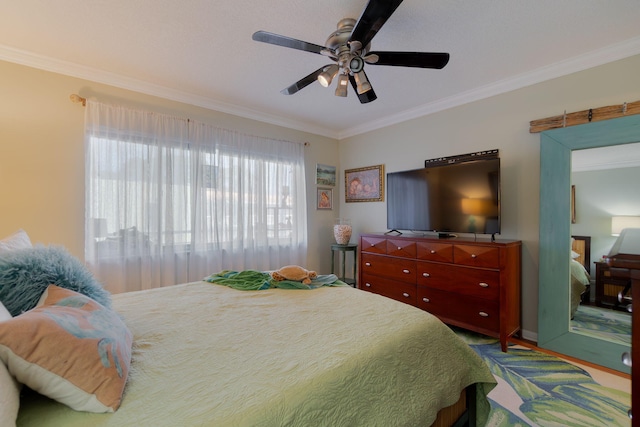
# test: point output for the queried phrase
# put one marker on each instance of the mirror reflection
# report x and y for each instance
(605, 200)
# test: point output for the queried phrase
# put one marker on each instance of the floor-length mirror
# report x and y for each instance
(556, 213)
(604, 181)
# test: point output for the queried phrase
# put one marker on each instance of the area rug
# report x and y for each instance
(611, 325)
(537, 389)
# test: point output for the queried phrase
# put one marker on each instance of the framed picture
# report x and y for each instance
(364, 184)
(325, 175)
(325, 199)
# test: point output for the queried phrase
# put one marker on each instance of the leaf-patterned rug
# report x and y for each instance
(537, 389)
(603, 323)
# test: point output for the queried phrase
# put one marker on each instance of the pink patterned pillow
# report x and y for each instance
(71, 349)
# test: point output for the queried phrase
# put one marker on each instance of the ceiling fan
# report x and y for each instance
(349, 47)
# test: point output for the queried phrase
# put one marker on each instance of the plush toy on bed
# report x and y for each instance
(294, 273)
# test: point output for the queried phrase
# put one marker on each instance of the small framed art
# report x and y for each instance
(325, 199)
(325, 175)
(364, 184)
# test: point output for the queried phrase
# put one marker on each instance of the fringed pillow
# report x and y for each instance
(26, 273)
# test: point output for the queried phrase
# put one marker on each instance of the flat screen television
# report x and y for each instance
(451, 198)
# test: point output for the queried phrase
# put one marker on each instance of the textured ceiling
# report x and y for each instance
(201, 51)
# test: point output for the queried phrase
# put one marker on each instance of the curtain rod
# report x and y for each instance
(77, 99)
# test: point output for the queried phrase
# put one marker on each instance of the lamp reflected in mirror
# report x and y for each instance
(619, 223)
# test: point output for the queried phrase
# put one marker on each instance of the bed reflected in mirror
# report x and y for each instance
(602, 181)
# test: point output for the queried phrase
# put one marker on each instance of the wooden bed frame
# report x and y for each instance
(582, 246)
(461, 413)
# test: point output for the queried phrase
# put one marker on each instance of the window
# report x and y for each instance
(170, 200)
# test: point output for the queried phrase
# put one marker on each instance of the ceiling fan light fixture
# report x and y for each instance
(362, 83)
(327, 75)
(341, 89)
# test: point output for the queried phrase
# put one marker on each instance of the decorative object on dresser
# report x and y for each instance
(466, 282)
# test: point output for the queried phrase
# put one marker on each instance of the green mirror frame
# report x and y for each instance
(555, 204)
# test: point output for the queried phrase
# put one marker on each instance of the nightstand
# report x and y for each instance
(342, 253)
(610, 281)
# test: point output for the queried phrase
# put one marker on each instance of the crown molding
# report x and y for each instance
(572, 65)
(606, 166)
(46, 63)
(578, 63)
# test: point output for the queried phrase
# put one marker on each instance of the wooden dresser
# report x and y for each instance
(469, 283)
(609, 282)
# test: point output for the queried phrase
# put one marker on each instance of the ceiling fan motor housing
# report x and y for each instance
(337, 43)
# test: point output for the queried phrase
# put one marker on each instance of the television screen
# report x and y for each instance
(459, 197)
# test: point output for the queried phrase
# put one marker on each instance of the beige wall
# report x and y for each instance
(42, 156)
(41, 153)
(499, 122)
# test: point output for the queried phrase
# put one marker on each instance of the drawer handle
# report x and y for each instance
(483, 314)
(406, 295)
(399, 248)
(483, 285)
(626, 358)
(425, 299)
(432, 251)
(406, 271)
(373, 244)
(473, 255)
(368, 264)
(425, 275)
(368, 285)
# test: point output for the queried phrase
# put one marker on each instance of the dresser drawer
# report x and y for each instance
(399, 269)
(434, 274)
(461, 310)
(374, 245)
(460, 280)
(431, 251)
(401, 248)
(476, 256)
(399, 291)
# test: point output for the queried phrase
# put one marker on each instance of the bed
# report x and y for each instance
(205, 354)
(580, 267)
(200, 354)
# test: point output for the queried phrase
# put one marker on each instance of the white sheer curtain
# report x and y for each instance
(170, 200)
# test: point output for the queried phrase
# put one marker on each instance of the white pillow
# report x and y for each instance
(9, 387)
(4, 313)
(18, 240)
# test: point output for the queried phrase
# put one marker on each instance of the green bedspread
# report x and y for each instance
(208, 355)
(253, 280)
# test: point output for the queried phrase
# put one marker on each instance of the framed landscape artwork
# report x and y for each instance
(325, 175)
(364, 184)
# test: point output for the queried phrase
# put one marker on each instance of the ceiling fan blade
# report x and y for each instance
(410, 59)
(271, 38)
(303, 82)
(372, 19)
(366, 97)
